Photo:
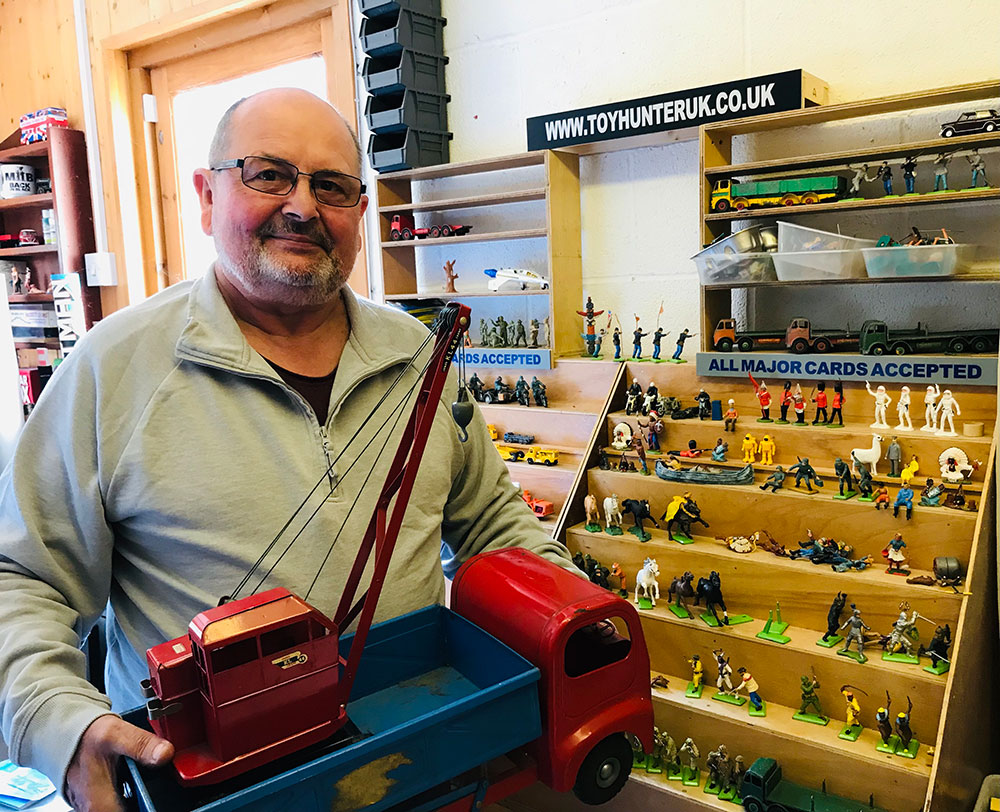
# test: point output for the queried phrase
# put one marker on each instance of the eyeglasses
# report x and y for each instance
(275, 177)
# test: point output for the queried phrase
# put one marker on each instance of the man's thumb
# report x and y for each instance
(146, 748)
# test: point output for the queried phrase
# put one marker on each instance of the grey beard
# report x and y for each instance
(260, 274)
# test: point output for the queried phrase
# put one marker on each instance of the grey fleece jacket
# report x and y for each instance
(163, 457)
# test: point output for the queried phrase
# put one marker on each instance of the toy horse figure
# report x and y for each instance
(711, 590)
(680, 588)
(590, 505)
(639, 508)
(682, 511)
(612, 511)
(646, 581)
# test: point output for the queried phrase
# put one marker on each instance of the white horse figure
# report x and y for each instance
(612, 511)
(646, 581)
(869, 456)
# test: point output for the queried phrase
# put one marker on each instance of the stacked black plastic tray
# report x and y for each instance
(404, 73)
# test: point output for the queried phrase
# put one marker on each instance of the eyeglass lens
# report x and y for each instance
(277, 178)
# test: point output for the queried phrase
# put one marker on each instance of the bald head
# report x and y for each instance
(290, 108)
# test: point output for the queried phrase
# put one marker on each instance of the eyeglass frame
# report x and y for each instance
(238, 163)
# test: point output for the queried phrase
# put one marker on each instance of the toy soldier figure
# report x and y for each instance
(883, 720)
(859, 175)
(500, 323)
(978, 167)
(725, 670)
(938, 649)
(810, 699)
(538, 391)
(616, 339)
(837, 405)
(843, 472)
(657, 337)
(865, 486)
(941, 172)
(739, 770)
(668, 752)
(820, 400)
(903, 726)
(684, 336)
(857, 633)
(690, 749)
(697, 669)
(637, 336)
(521, 391)
(894, 453)
(884, 173)
(476, 387)
(519, 334)
(775, 481)
(747, 681)
(719, 767)
(510, 334)
(535, 326)
(633, 403)
(803, 470)
(833, 616)
(599, 341)
(909, 167)
(900, 637)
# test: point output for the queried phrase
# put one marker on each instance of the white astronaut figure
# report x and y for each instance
(903, 410)
(882, 401)
(930, 412)
(947, 408)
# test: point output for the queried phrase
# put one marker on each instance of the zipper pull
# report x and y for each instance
(329, 460)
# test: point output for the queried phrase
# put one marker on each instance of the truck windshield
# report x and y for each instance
(597, 645)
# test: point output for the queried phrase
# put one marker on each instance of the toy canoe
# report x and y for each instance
(744, 476)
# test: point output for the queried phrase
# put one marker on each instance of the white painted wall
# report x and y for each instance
(514, 59)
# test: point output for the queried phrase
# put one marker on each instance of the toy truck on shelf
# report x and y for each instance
(798, 337)
(438, 693)
(878, 339)
(728, 195)
(402, 228)
(540, 507)
(542, 456)
(509, 453)
(764, 790)
(514, 437)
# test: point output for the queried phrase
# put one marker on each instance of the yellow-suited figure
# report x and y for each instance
(749, 449)
(767, 450)
(853, 708)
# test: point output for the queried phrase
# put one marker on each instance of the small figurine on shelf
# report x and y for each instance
(616, 339)
(883, 721)
(843, 472)
(865, 486)
(909, 167)
(17, 284)
(908, 745)
(852, 728)
(720, 450)
(730, 417)
(938, 650)
(909, 470)
(752, 688)
(749, 449)
(593, 524)
(764, 397)
(654, 761)
(589, 320)
(947, 408)
(803, 470)
(978, 167)
(894, 453)
(830, 637)
(724, 670)
(683, 336)
(854, 190)
(856, 631)
(640, 452)
(650, 398)
(538, 392)
(621, 436)
(694, 687)
(704, 405)
(941, 172)
(450, 276)
(810, 699)
(884, 174)
(637, 336)
(682, 511)
(882, 401)
(548, 332)
(786, 401)
(652, 427)
(633, 399)
(691, 772)
(799, 406)
(476, 387)
(657, 338)
(646, 581)
(930, 410)
(600, 340)
(31, 287)
(930, 496)
(522, 391)
(535, 327)
(903, 410)
(612, 516)
(520, 334)
(767, 448)
(882, 498)
(681, 589)
(837, 405)
(711, 590)
(821, 402)
(719, 769)
(904, 632)
(691, 451)
(619, 573)
(602, 460)
(893, 553)
(775, 481)
(904, 499)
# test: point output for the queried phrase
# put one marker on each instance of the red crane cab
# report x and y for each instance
(252, 680)
(588, 645)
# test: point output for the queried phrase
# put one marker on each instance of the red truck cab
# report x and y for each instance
(588, 645)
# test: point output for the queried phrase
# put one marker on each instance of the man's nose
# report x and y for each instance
(300, 204)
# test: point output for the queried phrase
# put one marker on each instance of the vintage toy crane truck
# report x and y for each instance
(270, 707)
(798, 337)
(402, 228)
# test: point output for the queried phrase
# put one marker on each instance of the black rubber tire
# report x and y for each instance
(800, 346)
(947, 132)
(745, 344)
(957, 345)
(604, 771)
(721, 205)
(724, 345)
(407, 234)
(753, 805)
(445, 231)
(980, 345)
(877, 349)
(395, 236)
(990, 127)
(900, 348)
(435, 232)
(822, 345)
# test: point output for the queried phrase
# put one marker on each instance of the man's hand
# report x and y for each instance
(90, 780)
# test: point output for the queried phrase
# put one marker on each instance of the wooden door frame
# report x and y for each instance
(130, 186)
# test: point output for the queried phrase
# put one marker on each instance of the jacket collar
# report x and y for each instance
(213, 338)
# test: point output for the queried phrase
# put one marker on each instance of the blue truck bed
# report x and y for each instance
(435, 696)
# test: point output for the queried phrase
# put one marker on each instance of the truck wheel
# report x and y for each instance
(957, 345)
(877, 349)
(900, 349)
(980, 345)
(753, 805)
(445, 231)
(395, 236)
(407, 234)
(821, 345)
(531, 461)
(724, 345)
(604, 771)
(947, 132)
(741, 203)
(722, 205)
(800, 345)
(435, 231)
(990, 127)
(745, 344)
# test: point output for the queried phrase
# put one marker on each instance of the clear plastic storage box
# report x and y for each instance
(793, 238)
(810, 255)
(727, 268)
(917, 260)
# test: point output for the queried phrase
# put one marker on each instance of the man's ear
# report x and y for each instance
(203, 186)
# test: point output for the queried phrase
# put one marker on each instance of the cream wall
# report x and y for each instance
(516, 59)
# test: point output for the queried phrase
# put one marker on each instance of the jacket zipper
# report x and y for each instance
(331, 476)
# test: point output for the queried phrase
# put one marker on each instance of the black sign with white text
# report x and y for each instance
(774, 93)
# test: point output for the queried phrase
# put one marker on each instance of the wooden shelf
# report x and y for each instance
(28, 250)
(839, 159)
(26, 202)
(971, 196)
(522, 234)
(468, 167)
(986, 275)
(470, 202)
(23, 298)
(401, 297)
(36, 150)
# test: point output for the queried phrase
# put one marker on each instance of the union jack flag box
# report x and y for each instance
(35, 126)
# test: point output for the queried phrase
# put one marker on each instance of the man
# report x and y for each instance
(166, 451)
